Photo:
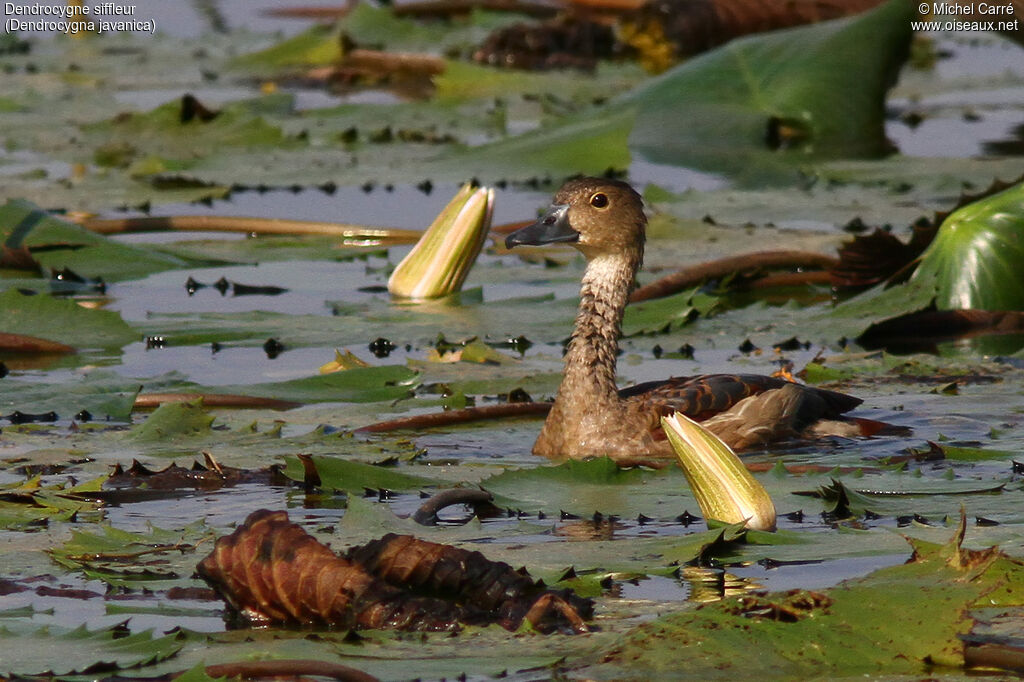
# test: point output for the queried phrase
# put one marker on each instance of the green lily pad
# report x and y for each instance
(81, 650)
(58, 244)
(974, 262)
(64, 321)
(896, 621)
(824, 82)
(669, 312)
(355, 477)
(357, 385)
(175, 421)
(156, 559)
(316, 46)
(163, 133)
(31, 506)
(597, 485)
(103, 394)
(977, 257)
(755, 108)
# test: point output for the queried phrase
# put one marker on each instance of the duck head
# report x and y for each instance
(596, 215)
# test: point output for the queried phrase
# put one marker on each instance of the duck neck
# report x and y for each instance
(590, 360)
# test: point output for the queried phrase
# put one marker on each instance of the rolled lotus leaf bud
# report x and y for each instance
(438, 264)
(724, 489)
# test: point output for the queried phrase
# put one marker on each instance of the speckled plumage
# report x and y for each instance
(590, 416)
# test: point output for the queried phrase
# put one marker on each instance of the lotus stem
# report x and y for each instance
(441, 260)
(724, 488)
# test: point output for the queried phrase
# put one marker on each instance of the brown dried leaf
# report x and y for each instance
(271, 571)
(560, 43)
(869, 259)
(664, 32)
(153, 400)
(923, 330)
(17, 258)
(138, 482)
(466, 577)
(660, 33)
(22, 343)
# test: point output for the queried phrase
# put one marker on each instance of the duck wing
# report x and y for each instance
(704, 396)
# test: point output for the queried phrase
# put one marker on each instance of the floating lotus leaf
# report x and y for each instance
(58, 244)
(754, 108)
(64, 321)
(974, 262)
(977, 257)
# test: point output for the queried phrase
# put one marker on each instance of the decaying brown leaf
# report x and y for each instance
(17, 258)
(470, 578)
(665, 31)
(563, 42)
(405, 72)
(271, 571)
(153, 400)
(660, 32)
(137, 481)
(22, 343)
(869, 259)
(922, 331)
(793, 606)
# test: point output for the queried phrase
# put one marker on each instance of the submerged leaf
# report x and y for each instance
(169, 132)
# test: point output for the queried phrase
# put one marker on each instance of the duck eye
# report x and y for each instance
(599, 200)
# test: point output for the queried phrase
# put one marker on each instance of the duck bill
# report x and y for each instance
(441, 260)
(551, 228)
(724, 488)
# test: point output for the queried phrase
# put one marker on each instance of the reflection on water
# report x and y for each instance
(709, 584)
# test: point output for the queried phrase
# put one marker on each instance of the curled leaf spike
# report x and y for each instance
(724, 488)
(442, 258)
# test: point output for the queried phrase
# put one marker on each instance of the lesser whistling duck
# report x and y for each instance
(605, 221)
